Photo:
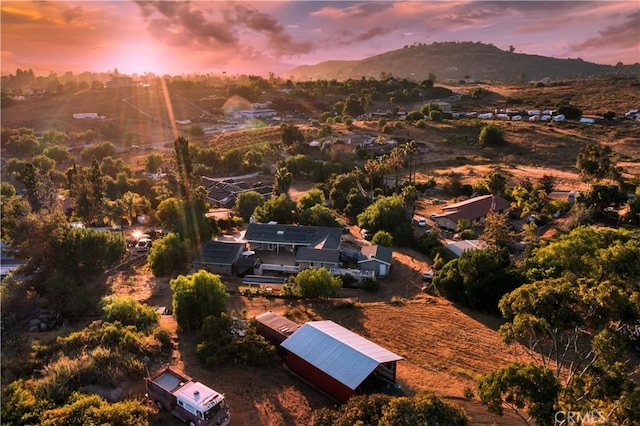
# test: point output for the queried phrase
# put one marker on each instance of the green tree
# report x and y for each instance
(186, 218)
(313, 197)
(98, 152)
(382, 238)
(317, 282)
(571, 112)
(595, 162)
(169, 254)
(39, 188)
(414, 116)
(246, 203)
(436, 116)
(578, 320)
(491, 135)
(290, 134)
(318, 215)
(280, 209)
(152, 163)
(496, 182)
(479, 278)
(496, 233)
(385, 214)
(84, 253)
(340, 188)
(196, 297)
(353, 106)
(184, 166)
(88, 191)
(283, 179)
(57, 153)
(519, 386)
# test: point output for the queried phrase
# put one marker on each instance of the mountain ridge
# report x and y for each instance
(458, 61)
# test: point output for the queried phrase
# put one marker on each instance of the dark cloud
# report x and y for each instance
(346, 37)
(181, 22)
(279, 40)
(71, 14)
(627, 34)
(364, 10)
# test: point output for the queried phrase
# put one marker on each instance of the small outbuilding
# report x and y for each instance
(275, 328)
(337, 360)
(459, 247)
(377, 259)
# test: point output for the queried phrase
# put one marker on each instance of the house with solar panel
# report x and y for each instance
(336, 360)
(218, 257)
(278, 237)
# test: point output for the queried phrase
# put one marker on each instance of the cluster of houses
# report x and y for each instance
(267, 252)
(330, 357)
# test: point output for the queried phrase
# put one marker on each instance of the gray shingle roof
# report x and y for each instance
(381, 253)
(307, 254)
(321, 237)
(219, 253)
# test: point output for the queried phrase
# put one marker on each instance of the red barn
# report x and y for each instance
(337, 360)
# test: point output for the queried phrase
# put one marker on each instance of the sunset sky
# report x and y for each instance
(260, 37)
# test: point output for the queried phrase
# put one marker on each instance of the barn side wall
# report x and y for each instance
(319, 378)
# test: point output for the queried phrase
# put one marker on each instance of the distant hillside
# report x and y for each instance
(457, 61)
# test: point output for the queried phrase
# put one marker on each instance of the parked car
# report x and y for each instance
(422, 222)
(366, 234)
(427, 276)
(142, 246)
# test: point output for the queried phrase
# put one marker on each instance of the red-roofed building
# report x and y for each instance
(474, 209)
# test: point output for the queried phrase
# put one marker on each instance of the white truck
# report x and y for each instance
(192, 402)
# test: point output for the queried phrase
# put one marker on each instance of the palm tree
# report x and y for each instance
(395, 162)
(410, 149)
(409, 197)
(283, 179)
(372, 168)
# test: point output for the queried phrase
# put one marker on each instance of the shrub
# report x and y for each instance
(370, 284)
(421, 124)
(348, 280)
(570, 111)
(468, 234)
(317, 282)
(128, 311)
(491, 135)
(20, 405)
(436, 115)
(83, 409)
(382, 238)
(424, 408)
